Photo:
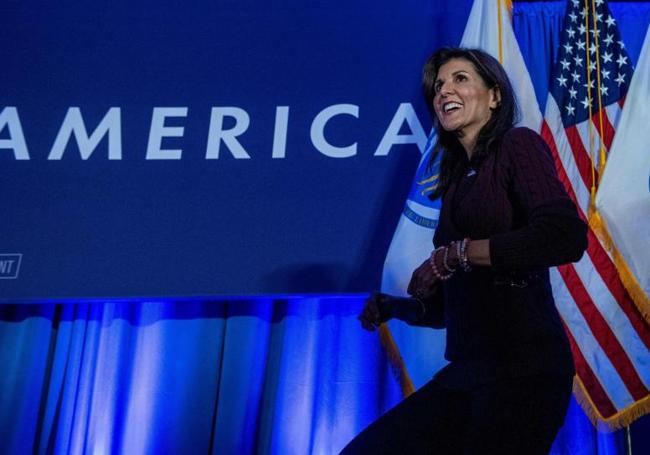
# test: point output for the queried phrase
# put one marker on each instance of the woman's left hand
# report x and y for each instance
(423, 281)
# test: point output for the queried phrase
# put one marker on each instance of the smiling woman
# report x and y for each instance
(505, 218)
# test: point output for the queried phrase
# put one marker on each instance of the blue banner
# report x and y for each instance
(226, 148)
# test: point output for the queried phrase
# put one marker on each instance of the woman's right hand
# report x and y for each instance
(423, 281)
(376, 311)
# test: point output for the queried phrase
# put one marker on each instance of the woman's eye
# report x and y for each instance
(461, 77)
(437, 86)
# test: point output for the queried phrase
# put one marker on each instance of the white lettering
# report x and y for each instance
(5, 266)
(73, 124)
(16, 141)
(280, 133)
(318, 131)
(229, 137)
(158, 131)
(405, 113)
(227, 124)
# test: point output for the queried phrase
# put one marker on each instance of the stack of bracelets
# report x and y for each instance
(461, 253)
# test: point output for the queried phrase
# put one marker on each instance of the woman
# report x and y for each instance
(505, 219)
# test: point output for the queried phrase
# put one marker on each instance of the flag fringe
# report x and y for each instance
(634, 289)
(396, 361)
(621, 419)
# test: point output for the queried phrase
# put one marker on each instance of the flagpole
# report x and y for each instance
(628, 440)
(603, 157)
(499, 31)
(592, 199)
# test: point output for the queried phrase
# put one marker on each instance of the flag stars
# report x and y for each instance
(609, 39)
(562, 80)
(586, 103)
(604, 73)
(621, 60)
(589, 85)
(604, 90)
(592, 66)
(568, 48)
(573, 17)
(576, 3)
(575, 76)
(581, 45)
(583, 12)
(599, 2)
(571, 33)
(594, 33)
(565, 64)
(582, 29)
(570, 110)
(592, 50)
(621, 44)
(610, 21)
(572, 93)
(599, 17)
(578, 60)
(620, 79)
(607, 57)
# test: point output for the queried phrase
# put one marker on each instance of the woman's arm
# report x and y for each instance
(554, 233)
(424, 312)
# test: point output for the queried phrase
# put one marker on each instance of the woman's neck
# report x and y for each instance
(469, 143)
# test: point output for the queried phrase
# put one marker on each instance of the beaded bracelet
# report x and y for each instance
(432, 263)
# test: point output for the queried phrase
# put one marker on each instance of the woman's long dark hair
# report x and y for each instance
(502, 119)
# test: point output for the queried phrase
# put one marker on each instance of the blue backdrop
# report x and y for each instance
(223, 148)
(269, 375)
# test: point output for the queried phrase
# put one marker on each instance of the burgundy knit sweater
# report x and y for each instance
(501, 320)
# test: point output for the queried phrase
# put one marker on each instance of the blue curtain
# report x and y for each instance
(239, 376)
(264, 376)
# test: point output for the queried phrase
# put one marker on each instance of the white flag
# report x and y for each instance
(482, 32)
(623, 198)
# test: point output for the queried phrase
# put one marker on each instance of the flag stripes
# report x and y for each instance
(598, 281)
(555, 136)
(607, 128)
(589, 380)
(609, 337)
(589, 357)
(581, 157)
(605, 337)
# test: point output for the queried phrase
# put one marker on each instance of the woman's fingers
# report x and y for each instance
(369, 316)
(421, 278)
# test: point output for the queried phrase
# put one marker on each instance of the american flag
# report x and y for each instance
(609, 337)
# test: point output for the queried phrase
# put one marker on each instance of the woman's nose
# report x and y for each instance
(445, 89)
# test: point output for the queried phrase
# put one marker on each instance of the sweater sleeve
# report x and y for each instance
(553, 233)
(427, 312)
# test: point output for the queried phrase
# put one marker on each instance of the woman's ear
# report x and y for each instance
(495, 100)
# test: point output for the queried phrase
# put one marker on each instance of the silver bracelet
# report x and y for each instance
(463, 259)
(445, 258)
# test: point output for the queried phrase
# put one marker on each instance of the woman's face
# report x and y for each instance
(462, 101)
